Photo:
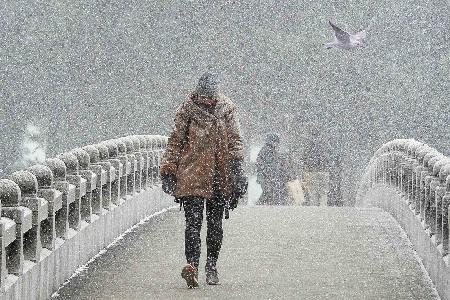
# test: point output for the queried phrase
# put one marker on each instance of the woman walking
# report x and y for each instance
(202, 167)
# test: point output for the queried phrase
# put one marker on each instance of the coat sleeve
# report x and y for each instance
(235, 145)
(177, 139)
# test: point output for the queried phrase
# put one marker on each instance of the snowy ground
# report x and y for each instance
(268, 253)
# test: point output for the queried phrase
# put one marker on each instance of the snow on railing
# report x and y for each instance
(49, 204)
(422, 176)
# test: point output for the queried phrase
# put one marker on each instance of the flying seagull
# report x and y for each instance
(344, 40)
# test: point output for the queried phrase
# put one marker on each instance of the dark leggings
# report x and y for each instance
(193, 212)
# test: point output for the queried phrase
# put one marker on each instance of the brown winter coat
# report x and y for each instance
(201, 146)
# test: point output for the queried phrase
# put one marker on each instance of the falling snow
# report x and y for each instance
(101, 69)
(73, 73)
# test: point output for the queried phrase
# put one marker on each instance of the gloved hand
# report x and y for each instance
(240, 183)
(233, 202)
(169, 183)
(238, 193)
(241, 186)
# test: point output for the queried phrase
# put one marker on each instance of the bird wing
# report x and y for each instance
(340, 34)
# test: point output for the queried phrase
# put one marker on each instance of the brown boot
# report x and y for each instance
(190, 274)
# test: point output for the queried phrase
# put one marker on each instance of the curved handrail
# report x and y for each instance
(421, 176)
(54, 205)
(400, 163)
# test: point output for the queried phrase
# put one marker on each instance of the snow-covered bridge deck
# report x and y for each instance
(268, 253)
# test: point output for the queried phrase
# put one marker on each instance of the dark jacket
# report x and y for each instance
(272, 174)
(314, 158)
(267, 163)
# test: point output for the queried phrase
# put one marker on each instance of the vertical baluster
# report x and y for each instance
(122, 157)
(145, 158)
(58, 169)
(113, 152)
(91, 184)
(439, 194)
(11, 249)
(139, 163)
(131, 165)
(71, 162)
(445, 218)
(97, 169)
(44, 178)
(28, 185)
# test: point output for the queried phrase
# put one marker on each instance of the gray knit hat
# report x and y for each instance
(208, 85)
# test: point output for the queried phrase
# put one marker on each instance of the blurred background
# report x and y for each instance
(78, 72)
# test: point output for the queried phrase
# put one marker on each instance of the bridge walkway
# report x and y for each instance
(268, 253)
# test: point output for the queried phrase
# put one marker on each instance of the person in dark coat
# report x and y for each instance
(315, 168)
(202, 166)
(272, 173)
(336, 172)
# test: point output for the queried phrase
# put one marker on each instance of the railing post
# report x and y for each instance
(110, 175)
(431, 182)
(445, 218)
(412, 187)
(118, 167)
(386, 171)
(44, 178)
(91, 184)
(416, 169)
(152, 164)
(433, 204)
(145, 183)
(58, 169)
(28, 185)
(439, 168)
(401, 172)
(439, 195)
(419, 192)
(156, 159)
(71, 162)
(7, 237)
(159, 153)
(139, 182)
(424, 181)
(122, 157)
(129, 153)
(3, 269)
(395, 160)
(377, 173)
(423, 195)
(407, 179)
(96, 167)
(11, 248)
